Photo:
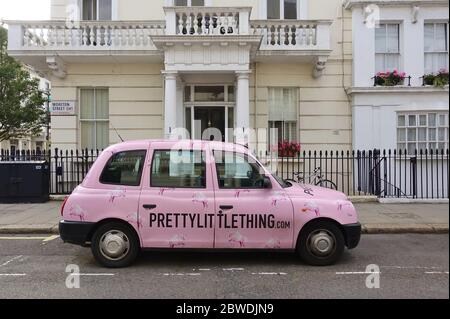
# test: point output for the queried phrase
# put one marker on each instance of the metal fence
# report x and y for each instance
(387, 173)
(67, 168)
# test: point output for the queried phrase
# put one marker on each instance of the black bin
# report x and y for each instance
(24, 182)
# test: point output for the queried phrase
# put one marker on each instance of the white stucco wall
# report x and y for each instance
(375, 109)
(411, 41)
(153, 9)
(375, 114)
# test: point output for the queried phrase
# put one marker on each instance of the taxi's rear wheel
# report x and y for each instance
(321, 243)
(115, 245)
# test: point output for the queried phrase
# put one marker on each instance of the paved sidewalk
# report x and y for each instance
(375, 218)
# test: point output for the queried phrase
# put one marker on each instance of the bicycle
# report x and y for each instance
(318, 179)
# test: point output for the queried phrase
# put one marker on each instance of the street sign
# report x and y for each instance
(62, 108)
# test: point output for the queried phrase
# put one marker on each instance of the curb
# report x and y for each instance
(372, 229)
(29, 230)
(405, 229)
(363, 199)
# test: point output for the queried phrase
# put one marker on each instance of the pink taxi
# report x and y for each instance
(201, 195)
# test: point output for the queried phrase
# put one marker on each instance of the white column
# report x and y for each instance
(243, 100)
(180, 108)
(170, 102)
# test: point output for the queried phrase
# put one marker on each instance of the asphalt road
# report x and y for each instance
(411, 266)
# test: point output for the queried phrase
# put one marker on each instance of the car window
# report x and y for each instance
(124, 168)
(179, 169)
(235, 170)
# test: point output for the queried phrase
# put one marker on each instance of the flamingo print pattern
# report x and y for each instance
(177, 241)
(200, 198)
(237, 239)
(342, 205)
(163, 190)
(238, 193)
(117, 193)
(273, 243)
(311, 207)
(278, 197)
(134, 218)
(77, 212)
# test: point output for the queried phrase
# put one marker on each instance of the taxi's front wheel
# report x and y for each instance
(321, 243)
(115, 245)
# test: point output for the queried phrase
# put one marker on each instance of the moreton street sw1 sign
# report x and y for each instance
(62, 107)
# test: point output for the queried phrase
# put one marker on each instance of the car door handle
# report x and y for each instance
(226, 207)
(148, 206)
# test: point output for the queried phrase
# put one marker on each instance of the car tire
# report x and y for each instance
(321, 243)
(115, 245)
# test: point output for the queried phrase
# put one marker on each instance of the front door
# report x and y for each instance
(247, 214)
(211, 121)
(176, 207)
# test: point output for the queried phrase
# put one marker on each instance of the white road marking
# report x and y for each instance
(99, 274)
(270, 273)
(201, 269)
(409, 267)
(11, 260)
(12, 275)
(233, 269)
(181, 274)
(357, 272)
(436, 272)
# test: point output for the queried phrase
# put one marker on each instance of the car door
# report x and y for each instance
(247, 214)
(177, 199)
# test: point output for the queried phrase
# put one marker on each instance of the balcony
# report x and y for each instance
(207, 21)
(49, 45)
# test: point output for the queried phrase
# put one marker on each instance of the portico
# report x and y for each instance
(189, 99)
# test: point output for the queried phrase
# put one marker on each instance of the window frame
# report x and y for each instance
(203, 153)
(189, 3)
(125, 185)
(427, 127)
(246, 156)
(301, 7)
(386, 52)
(435, 52)
(93, 120)
(113, 10)
(285, 121)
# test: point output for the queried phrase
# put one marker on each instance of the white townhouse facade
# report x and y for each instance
(410, 36)
(144, 69)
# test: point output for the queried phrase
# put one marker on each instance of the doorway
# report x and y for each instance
(211, 121)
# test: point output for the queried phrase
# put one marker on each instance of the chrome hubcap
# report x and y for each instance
(114, 245)
(321, 242)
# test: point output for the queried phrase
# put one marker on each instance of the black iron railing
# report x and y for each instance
(389, 173)
(422, 174)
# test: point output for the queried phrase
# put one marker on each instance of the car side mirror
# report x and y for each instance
(266, 182)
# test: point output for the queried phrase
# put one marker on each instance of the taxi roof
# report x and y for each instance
(214, 145)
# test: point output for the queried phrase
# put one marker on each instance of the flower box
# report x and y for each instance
(288, 149)
(439, 80)
(388, 78)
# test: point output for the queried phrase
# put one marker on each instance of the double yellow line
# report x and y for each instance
(44, 239)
